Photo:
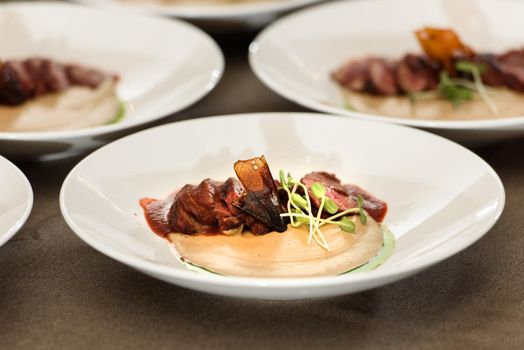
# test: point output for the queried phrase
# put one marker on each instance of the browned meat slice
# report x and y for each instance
(353, 75)
(35, 67)
(416, 73)
(492, 74)
(15, 83)
(375, 207)
(345, 196)
(233, 191)
(199, 201)
(79, 75)
(334, 189)
(512, 66)
(513, 57)
(54, 76)
(261, 198)
(180, 220)
(382, 78)
(227, 215)
(22, 75)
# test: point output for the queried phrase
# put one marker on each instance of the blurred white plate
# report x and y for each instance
(164, 65)
(295, 55)
(245, 13)
(438, 204)
(16, 200)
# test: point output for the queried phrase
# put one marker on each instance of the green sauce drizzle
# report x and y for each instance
(120, 114)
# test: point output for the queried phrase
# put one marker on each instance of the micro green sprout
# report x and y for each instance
(347, 225)
(363, 216)
(300, 210)
(300, 201)
(476, 71)
(459, 90)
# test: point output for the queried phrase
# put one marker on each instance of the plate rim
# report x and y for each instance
(20, 222)
(214, 78)
(274, 283)
(265, 78)
(208, 12)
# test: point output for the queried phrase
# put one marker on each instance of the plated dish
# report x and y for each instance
(448, 81)
(462, 79)
(16, 202)
(437, 205)
(39, 94)
(258, 226)
(65, 90)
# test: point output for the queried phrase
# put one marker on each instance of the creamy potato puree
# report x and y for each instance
(74, 108)
(509, 104)
(282, 254)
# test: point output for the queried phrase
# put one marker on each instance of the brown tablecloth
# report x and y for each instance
(56, 292)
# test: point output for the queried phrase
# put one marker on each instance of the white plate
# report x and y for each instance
(295, 55)
(165, 65)
(251, 14)
(442, 197)
(16, 200)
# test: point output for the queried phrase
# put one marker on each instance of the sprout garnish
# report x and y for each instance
(457, 90)
(300, 210)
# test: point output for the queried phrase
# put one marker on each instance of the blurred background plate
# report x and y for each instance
(295, 55)
(441, 197)
(213, 15)
(164, 66)
(16, 200)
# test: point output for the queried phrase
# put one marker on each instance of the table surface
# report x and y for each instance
(56, 292)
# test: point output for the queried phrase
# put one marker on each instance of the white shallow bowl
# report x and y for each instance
(295, 55)
(247, 14)
(16, 200)
(441, 196)
(164, 65)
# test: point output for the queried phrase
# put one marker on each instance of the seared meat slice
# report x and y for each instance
(181, 220)
(227, 215)
(35, 67)
(79, 75)
(167, 216)
(334, 189)
(54, 76)
(192, 209)
(375, 207)
(353, 75)
(372, 75)
(199, 201)
(512, 66)
(23, 76)
(492, 74)
(345, 196)
(261, 198)
(417, 73)
(232, 190)
(15, 83)
(382, 77)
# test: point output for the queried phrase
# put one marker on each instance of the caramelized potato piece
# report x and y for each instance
(261, 199)
(441, 45)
